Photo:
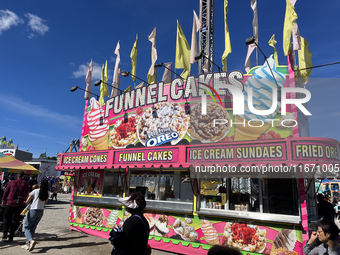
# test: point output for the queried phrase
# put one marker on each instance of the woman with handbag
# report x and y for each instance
(40, 197)
(135, 234)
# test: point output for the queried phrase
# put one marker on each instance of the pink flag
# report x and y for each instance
(253, 5)
(296, 33)
(88, 80)
(116, 73)
(167, 76)
(152, 39)
(196, 26)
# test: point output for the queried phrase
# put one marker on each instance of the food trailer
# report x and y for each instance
(245, 182)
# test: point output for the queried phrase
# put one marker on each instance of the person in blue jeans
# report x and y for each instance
(40, 197)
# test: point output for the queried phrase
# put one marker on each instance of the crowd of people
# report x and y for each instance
(133, 237)
(21, 192)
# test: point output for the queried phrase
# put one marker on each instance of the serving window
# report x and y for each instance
(275, 196)
(113, 183)
(162, 185)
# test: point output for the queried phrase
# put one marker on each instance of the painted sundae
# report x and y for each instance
(262, 84)
(98, 126)
(284, 241)
(161, 226)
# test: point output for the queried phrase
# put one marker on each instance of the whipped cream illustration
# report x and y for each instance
(98, 125)
(262, 83)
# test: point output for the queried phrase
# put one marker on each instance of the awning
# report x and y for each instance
(12, 165)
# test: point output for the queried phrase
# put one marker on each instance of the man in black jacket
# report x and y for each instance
(325, 208)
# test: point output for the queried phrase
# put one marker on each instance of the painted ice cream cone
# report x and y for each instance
(98, 126)
(244, 132)
(262, 84)
(112, 219)
(77, 215)
(210, 233)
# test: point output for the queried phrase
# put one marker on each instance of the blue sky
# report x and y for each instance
(45, 47)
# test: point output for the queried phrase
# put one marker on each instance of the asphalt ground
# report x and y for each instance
(54, 237)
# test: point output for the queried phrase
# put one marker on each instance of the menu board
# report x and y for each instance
(90, 183)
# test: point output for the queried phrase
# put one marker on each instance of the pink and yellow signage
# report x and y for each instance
(199, 110)
(90, 183)
(149, 156)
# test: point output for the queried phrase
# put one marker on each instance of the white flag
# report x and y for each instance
(196, 26)
(253, 4)
(152, 39)
(116, 73)
(296, 33)
(88, 80)
(167, 76)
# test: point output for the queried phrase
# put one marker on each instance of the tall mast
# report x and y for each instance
(206, 39)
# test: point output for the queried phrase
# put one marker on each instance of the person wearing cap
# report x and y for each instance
(13, 201)
(135, 229)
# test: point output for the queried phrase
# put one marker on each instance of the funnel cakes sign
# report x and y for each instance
(198, 110)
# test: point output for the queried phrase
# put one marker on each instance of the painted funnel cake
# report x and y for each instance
(98, 126)
(262, 84)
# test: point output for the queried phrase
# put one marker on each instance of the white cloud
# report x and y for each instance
(20, 106)
(8, 19)
(82, 71)
(36, 25)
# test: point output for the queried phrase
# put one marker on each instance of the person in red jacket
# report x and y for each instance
(13, 200)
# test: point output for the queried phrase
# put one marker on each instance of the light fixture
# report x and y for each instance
(97, 83)
(126, 74)
(126, 118)
(199, 55)
(251, 40)
(76, 87)
(187, 108)
(162, 64)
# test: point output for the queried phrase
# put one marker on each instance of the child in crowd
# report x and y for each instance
(55, 192)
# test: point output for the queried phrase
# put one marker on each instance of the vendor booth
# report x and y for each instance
(11, 165)
(242, 184)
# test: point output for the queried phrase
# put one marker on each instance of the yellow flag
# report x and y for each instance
(128, 89)
(103, 86)
(290, 19)
(227, 48)
(152, 78)
(182, 53)
(305, 60)
(133, 56)
(272, 43)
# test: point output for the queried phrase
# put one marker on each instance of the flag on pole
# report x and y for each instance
(167, 75)
(196, 26)
(3, 141)
(227, 44)
(140, 85)
(152, 72)
(88, 80)
(296, 33)
(290, 18)
(133, 56)
(272, 43)
(17, 146)
(182, 53)
(28, 149)
(305, 60)
(116, 73)
(10, 143)
(128, 89)
(253, 5)
(103, 86)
